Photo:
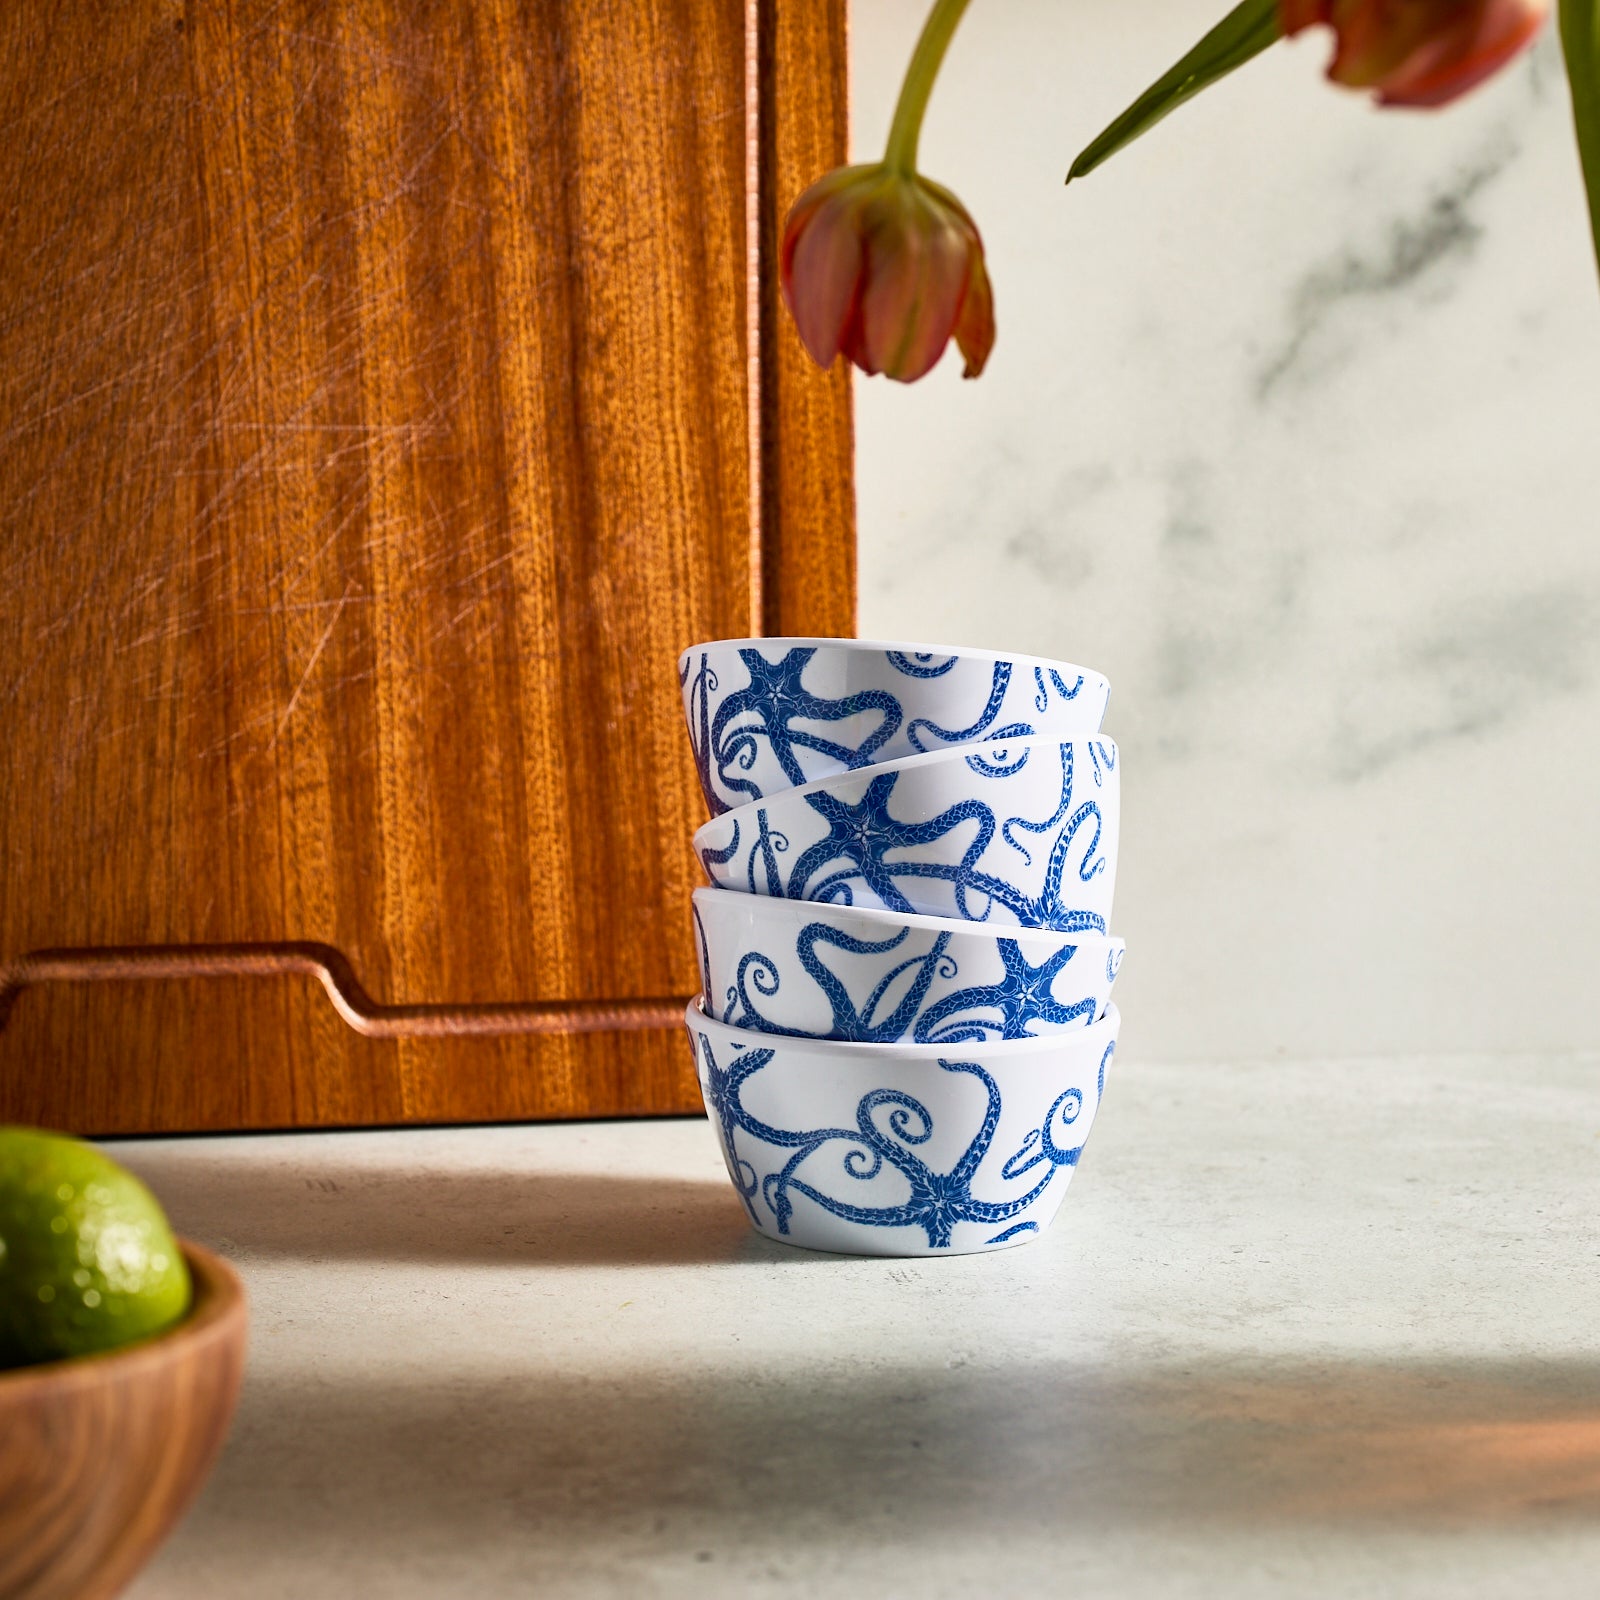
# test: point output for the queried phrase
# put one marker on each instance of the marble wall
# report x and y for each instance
(1293, 429)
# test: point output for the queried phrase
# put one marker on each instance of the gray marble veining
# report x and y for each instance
(1290, 430)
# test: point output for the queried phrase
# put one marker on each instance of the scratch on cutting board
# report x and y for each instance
(311, 665)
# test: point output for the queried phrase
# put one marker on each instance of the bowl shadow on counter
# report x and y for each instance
(250, 1208)
(538, 1473)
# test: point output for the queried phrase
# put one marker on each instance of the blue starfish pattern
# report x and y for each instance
(862, 835)
(1023, 997)
(938, 1201)
(1006, 1009)
(777, 699)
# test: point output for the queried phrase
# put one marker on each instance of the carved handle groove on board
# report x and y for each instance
(140, 963)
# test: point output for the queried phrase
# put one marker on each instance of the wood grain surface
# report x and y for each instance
(100, 1457)
(807, 483)
(374, 432)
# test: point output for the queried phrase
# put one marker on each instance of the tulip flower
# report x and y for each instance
(882, 264)
(1418, 52)
(886, 267)
(1411, 52)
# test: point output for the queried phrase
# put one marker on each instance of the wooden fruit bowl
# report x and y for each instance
(99, 1457)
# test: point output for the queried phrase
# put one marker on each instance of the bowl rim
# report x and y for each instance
(218, 1310)
(1105, 1027)
(896, 647)
(949, 752)
(780, 906)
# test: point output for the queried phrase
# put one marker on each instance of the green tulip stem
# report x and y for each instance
(1580, 42)
(926, 59)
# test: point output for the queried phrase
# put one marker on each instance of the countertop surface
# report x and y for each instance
(1320, 1328)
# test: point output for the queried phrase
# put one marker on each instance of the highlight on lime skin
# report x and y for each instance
(88, 1260)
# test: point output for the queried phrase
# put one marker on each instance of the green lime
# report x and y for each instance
(88, 1260)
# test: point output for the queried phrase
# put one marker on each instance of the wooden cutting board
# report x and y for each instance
(388, 391)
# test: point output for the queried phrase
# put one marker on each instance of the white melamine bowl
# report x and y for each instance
(766, 715)
(900, 1149)
(880, 977)
(1022, 833)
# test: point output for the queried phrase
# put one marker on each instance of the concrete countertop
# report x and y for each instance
(1311, 1329)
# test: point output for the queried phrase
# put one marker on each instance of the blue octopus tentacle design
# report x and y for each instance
(759, 972)
(976, 893)
(1041, 697)
(1014, 1232)
(1008, 1008)
(1042, 1145)
(1091, 864)
(711, 858)
(920, 664)
(864, 844)
(1114, 963)
(863, 1024)
(1048, 909)
(723, 1095)
(1023, 997)
(1044, 910)
(864, 833)
(769, 845)
(1104, 756)
(722, 1102)
(705, 685)
(1050, 821)
(983, 724)
(937, 1202)
(777, 699)
(998, 763)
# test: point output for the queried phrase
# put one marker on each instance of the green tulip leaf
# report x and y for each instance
(1243, 34)
(1580, 43)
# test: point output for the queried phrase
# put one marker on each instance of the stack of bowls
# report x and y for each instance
(905, 957)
